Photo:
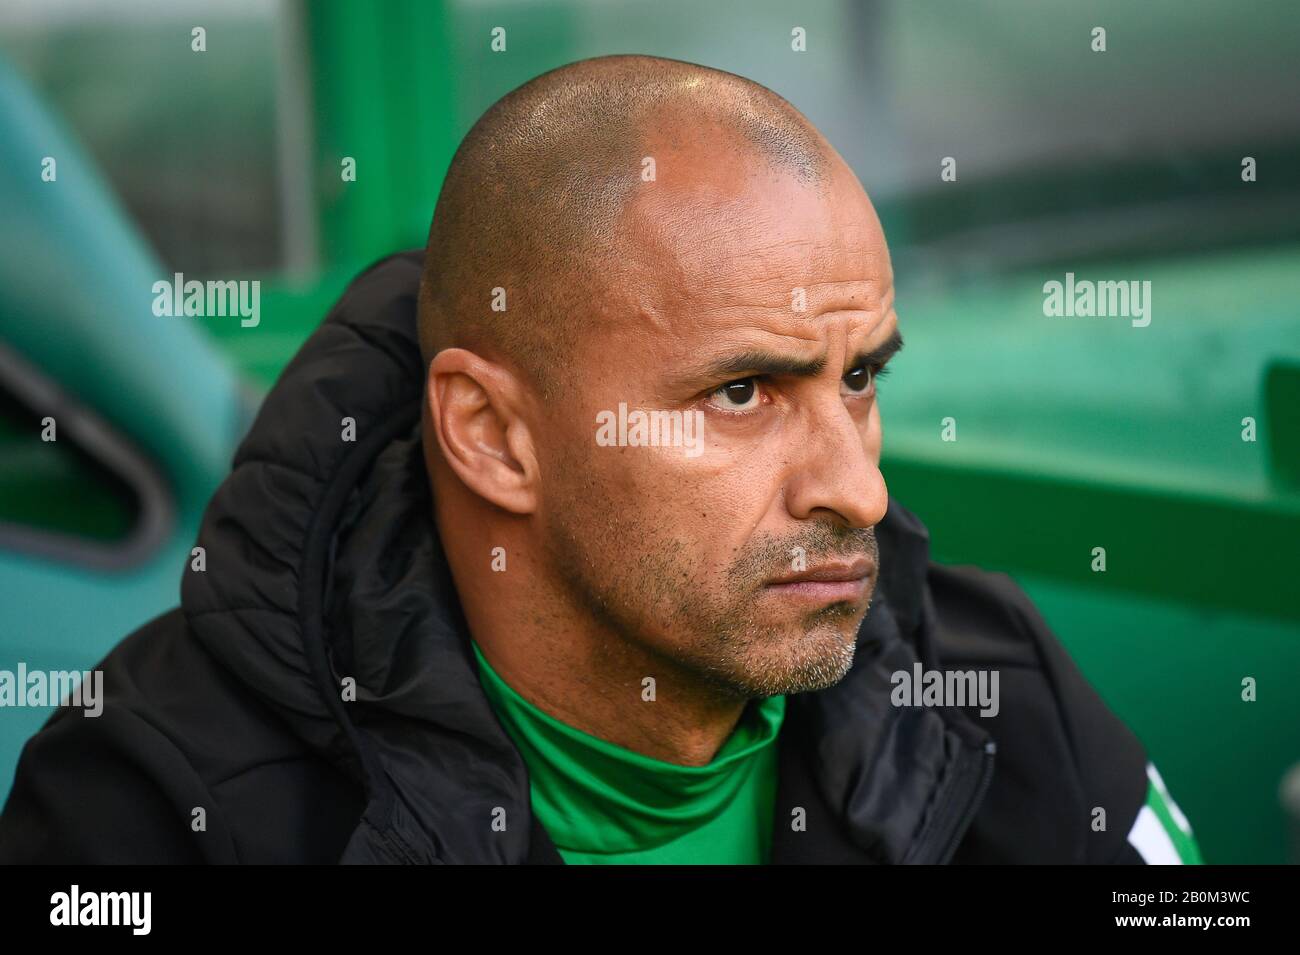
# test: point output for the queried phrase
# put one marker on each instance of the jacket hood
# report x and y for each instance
(323, 566)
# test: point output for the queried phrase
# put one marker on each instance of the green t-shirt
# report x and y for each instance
(605, 804)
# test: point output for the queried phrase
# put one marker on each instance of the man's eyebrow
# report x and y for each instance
(759, 362)
(877, 356)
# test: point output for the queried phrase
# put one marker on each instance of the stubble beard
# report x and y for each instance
(659, 603)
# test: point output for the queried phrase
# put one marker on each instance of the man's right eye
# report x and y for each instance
(740, 395)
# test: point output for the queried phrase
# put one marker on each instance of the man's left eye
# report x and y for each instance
(859, 381)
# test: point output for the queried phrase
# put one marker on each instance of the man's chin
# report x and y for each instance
(798, 662)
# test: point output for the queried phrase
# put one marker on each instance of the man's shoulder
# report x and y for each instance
(984, 616)
(1070, 776)
(183, 763)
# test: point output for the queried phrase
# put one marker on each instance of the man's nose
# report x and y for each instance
(833, 473)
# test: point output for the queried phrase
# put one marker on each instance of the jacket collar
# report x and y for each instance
(324, 567)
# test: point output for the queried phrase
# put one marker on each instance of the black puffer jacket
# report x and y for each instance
(323, 562)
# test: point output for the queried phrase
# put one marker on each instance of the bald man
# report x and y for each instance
(567, 541)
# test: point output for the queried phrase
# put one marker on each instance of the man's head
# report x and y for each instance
(625, 249)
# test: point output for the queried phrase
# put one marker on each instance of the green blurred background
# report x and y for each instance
(1071, 433)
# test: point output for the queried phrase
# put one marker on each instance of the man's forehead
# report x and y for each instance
(777, 243)
(790, 296)
(857, 311)
(835, 322)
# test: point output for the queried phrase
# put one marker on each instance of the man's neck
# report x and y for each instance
(566, 664)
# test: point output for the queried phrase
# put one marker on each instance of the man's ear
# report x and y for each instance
(476, 410)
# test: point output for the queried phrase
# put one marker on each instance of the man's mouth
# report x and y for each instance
(841, 580)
